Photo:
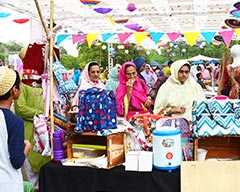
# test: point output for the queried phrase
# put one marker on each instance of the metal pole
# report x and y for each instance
(110, 59)
(51, 56)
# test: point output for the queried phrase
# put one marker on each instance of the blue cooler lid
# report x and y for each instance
(166, 131)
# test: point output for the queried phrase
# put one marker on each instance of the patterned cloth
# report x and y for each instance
(97, 110)
(234, 74)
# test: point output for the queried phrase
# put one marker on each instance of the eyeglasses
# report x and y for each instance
(182, 71)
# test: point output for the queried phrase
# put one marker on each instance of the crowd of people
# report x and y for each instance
(141, 88)
(138, 87)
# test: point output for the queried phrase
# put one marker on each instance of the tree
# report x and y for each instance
(70, 62)
(13, 46)
(98, 53)
(10, 47)
(2, 58)
(62, 50)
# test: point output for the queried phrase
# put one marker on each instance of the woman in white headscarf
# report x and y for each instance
(90, 77)
(176, 95)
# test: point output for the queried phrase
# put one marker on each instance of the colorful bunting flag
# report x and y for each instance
(173, 36)
(191, 37)
(106, 36)
(208, 36)
(139, 36)
(91, 38)
(77, 37)
(227, 36)
(61, 37)
(123, 36)
(156, 36)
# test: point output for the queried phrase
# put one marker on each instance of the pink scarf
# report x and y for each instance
(138, 96)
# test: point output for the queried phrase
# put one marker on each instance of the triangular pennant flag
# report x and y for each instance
(156, 36)
(91, 38)
(237, 31)
(106, 36)
(208, 36)
(123, 36)
(110, 19)
(191, 37)
(227, 36)
(139, 36)
(60, 38)
(77, 37)
(173, 36)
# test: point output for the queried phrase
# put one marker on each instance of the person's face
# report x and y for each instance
(16, 92)
(143, 67)
(147, 69)
(131, 72)
(94, 73)
(183, 74)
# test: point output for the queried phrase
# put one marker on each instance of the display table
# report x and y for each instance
(56, 178)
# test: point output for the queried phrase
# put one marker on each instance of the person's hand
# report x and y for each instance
(130, 83)
(27, 147)
(148, 102)
(180, 110)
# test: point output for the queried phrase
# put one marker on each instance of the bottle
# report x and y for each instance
(58, 151)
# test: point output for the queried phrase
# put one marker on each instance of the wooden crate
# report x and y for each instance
(115, 145)
(218, 146)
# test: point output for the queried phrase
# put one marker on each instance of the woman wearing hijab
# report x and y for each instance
(140, 63)
(112, 82)
(149, 76)
(176, 95)
(131, 93)
(90, 77)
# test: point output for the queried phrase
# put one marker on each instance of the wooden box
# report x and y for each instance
(218, 147)
(212, 176)
(115, 145)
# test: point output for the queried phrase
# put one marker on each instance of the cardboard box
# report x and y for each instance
(115, 145)
(139, 161)
(131, 161)
(212, 176)
(145, 161)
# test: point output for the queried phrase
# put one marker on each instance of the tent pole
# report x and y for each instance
(41, 17)
(51, 55)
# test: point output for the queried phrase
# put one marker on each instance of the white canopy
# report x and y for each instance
(152, 15)
(201, 57)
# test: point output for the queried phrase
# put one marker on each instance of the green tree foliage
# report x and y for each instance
(10, 47)
(175, 51)
(62, 50)
(97, 53)
(13, 46)
(70, 62)
(2, 57)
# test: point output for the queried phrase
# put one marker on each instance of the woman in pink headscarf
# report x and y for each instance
(131, 93)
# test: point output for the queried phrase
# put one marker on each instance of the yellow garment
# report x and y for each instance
(126, 105)
(167, 71)
(25, 107)
(174, 94)
(104, 75)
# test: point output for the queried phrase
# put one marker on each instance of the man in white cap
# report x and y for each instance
(14, 149)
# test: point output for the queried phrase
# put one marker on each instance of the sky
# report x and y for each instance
(26, 33)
